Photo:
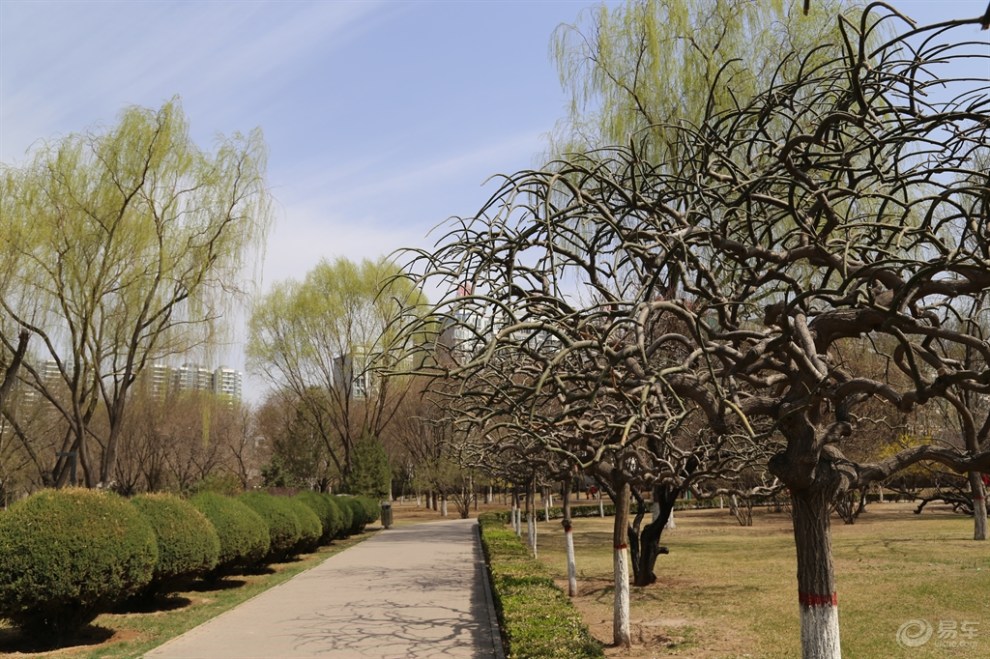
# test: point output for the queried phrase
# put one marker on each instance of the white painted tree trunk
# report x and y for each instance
(671, 524)
(546, 510)
(601, 506)
(571, 563)
(654, 511)
(443, 506)
(820, 629)
(531, 527)
(622, 636)
(621, 633)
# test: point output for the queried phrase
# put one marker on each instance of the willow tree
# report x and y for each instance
(11, 353)
(633, 71)
(127, 243)
(329, 341)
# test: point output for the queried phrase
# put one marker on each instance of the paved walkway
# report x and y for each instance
(413, 591)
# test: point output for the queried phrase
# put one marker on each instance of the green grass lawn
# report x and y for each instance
(729, 591)
(132, 633)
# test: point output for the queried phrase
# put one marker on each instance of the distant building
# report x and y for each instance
(192, 377)
(227, 383)
(158, 377)
(49, 377)
(351, 374)
(223, 381)
(159, 380)
(461, 334)
(50, 373)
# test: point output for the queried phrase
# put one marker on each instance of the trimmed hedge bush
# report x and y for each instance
(346, 516)
(372, 509)
(310, 528)
(358, 514)
(327, 512)
(284, 529)
(338, 517)
(536, 618)
(67, 555)
(188, 544)
(243, 534)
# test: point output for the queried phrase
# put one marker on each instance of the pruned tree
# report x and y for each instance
(836, 206)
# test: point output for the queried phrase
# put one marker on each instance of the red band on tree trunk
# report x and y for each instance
(813, 599)
(622, 546)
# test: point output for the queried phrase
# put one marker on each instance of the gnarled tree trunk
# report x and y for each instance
(979, 506)
(645, 544)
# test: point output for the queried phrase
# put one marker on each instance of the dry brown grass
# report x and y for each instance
(408, 512)
(728, 591)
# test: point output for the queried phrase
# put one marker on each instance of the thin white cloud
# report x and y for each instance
(307, 234)
(146, 52)
(359, 184)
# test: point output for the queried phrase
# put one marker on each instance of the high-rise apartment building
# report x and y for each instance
(227, 383)
(158, 377)
(161, 379)
(192, 377)
(223, 381)
(351, 375)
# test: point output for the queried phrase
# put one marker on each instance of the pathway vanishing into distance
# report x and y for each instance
(412, 591)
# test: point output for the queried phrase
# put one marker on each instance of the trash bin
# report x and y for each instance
(386, 514)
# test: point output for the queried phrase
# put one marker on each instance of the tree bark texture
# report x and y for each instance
(816, 576)
(979, 506)
(645, 544)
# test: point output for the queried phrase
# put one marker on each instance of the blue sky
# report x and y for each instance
(382, 118)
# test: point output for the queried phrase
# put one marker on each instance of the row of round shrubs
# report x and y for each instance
(68, 555)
